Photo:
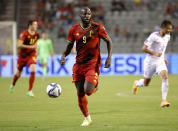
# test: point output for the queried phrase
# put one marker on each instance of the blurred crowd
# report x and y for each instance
(61, 14)
(2, 5)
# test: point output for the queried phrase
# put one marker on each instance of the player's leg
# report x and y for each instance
(43, 62)
(83, 102)
(20, 64)
(164, 88)
(161, 69)
(31, 79)
(89, 88)
(44, 69)
(15, 78)
(91, 82)
(148, 73)
(143, 82)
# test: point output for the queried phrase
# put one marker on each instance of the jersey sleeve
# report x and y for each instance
(149, 40)
(102, 32)
(71, 35)
(22, 36)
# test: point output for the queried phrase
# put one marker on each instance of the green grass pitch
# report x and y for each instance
(113, 107)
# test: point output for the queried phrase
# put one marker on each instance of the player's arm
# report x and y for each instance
(21, 45)
(51, 49)
(74, 50)
(109, 49)
(148, 42)
(66, 52)
(166, 62)
(146, 50)
(69, 47)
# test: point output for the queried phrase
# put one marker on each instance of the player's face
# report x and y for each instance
(44, 35)
(85, 15)
(168, 29)
(34, 26)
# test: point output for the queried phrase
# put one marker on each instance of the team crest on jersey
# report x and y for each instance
(77, 34)
(28, 36)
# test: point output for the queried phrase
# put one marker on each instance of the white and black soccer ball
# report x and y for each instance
(53, 90)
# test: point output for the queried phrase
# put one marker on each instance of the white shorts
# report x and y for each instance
(151, 68)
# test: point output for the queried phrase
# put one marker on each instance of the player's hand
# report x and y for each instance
(107, 62)
(158, 54)
(166, 62)
(63, 60)
(33, 46)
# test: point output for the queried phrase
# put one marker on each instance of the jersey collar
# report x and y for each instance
(31, 33)
(86, 27)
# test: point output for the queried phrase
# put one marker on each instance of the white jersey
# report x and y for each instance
(156, 43)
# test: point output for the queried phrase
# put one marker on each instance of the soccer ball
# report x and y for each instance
(53, 90)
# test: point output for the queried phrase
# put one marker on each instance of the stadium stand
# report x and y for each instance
(136, 19)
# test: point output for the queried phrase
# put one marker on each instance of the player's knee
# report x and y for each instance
(88, 93)
(32, 68)
(165, 78)
(18, 73)
(80, 94)
(146, 82)
(88, 88)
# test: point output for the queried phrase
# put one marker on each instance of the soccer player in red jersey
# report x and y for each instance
(87, 36)
(27, 55)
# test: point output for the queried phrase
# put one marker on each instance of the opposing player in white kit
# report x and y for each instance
(155, 47)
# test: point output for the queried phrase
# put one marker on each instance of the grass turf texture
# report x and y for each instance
(112, 107)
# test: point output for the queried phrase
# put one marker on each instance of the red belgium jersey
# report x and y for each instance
(28, 39)
(87, 42)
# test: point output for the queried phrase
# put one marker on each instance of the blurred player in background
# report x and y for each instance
(27, 44)
(155, 46)
(45, 48)
(87, 35)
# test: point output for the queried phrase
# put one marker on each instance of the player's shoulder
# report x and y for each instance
(75, 25)
(37, 34)
(154, 34)
(96, 24)
(49, 40)
(24, 32)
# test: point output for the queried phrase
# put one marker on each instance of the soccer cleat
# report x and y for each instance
(135, 88)
(86, 122)
(11, 89)
(30, 93)
(164, 103)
